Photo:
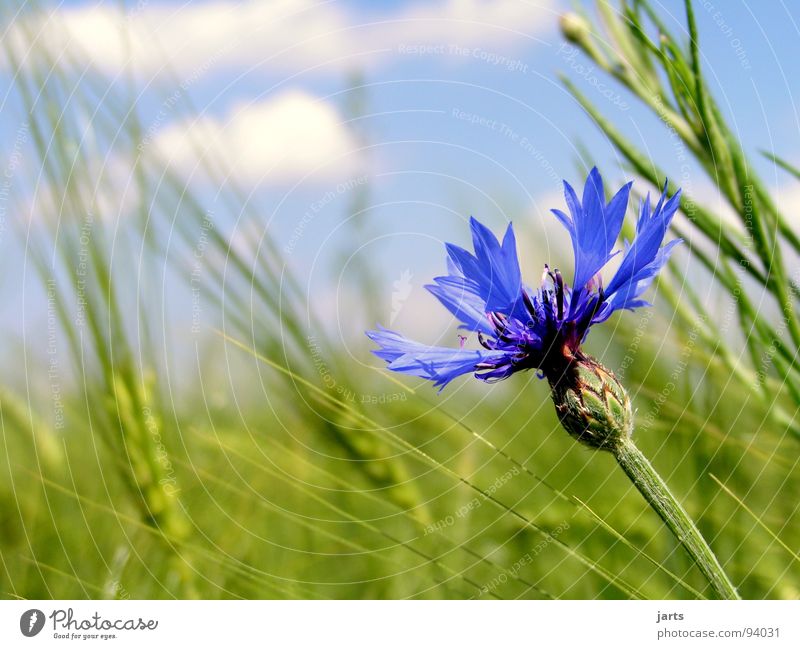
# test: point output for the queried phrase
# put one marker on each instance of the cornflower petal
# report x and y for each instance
(520, 329)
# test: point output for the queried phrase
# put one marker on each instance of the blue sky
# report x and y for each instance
(475, 123)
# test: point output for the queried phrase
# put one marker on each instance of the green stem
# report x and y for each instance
(658, 494)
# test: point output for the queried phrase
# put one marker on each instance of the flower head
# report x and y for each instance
(519, 328)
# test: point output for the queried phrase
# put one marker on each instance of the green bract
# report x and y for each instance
(592, 405)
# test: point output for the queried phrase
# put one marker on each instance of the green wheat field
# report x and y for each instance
(184, 416)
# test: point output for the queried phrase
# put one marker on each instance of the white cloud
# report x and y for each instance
(283, 35)
(277, 140)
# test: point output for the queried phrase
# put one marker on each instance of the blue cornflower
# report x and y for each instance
(519, 328)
